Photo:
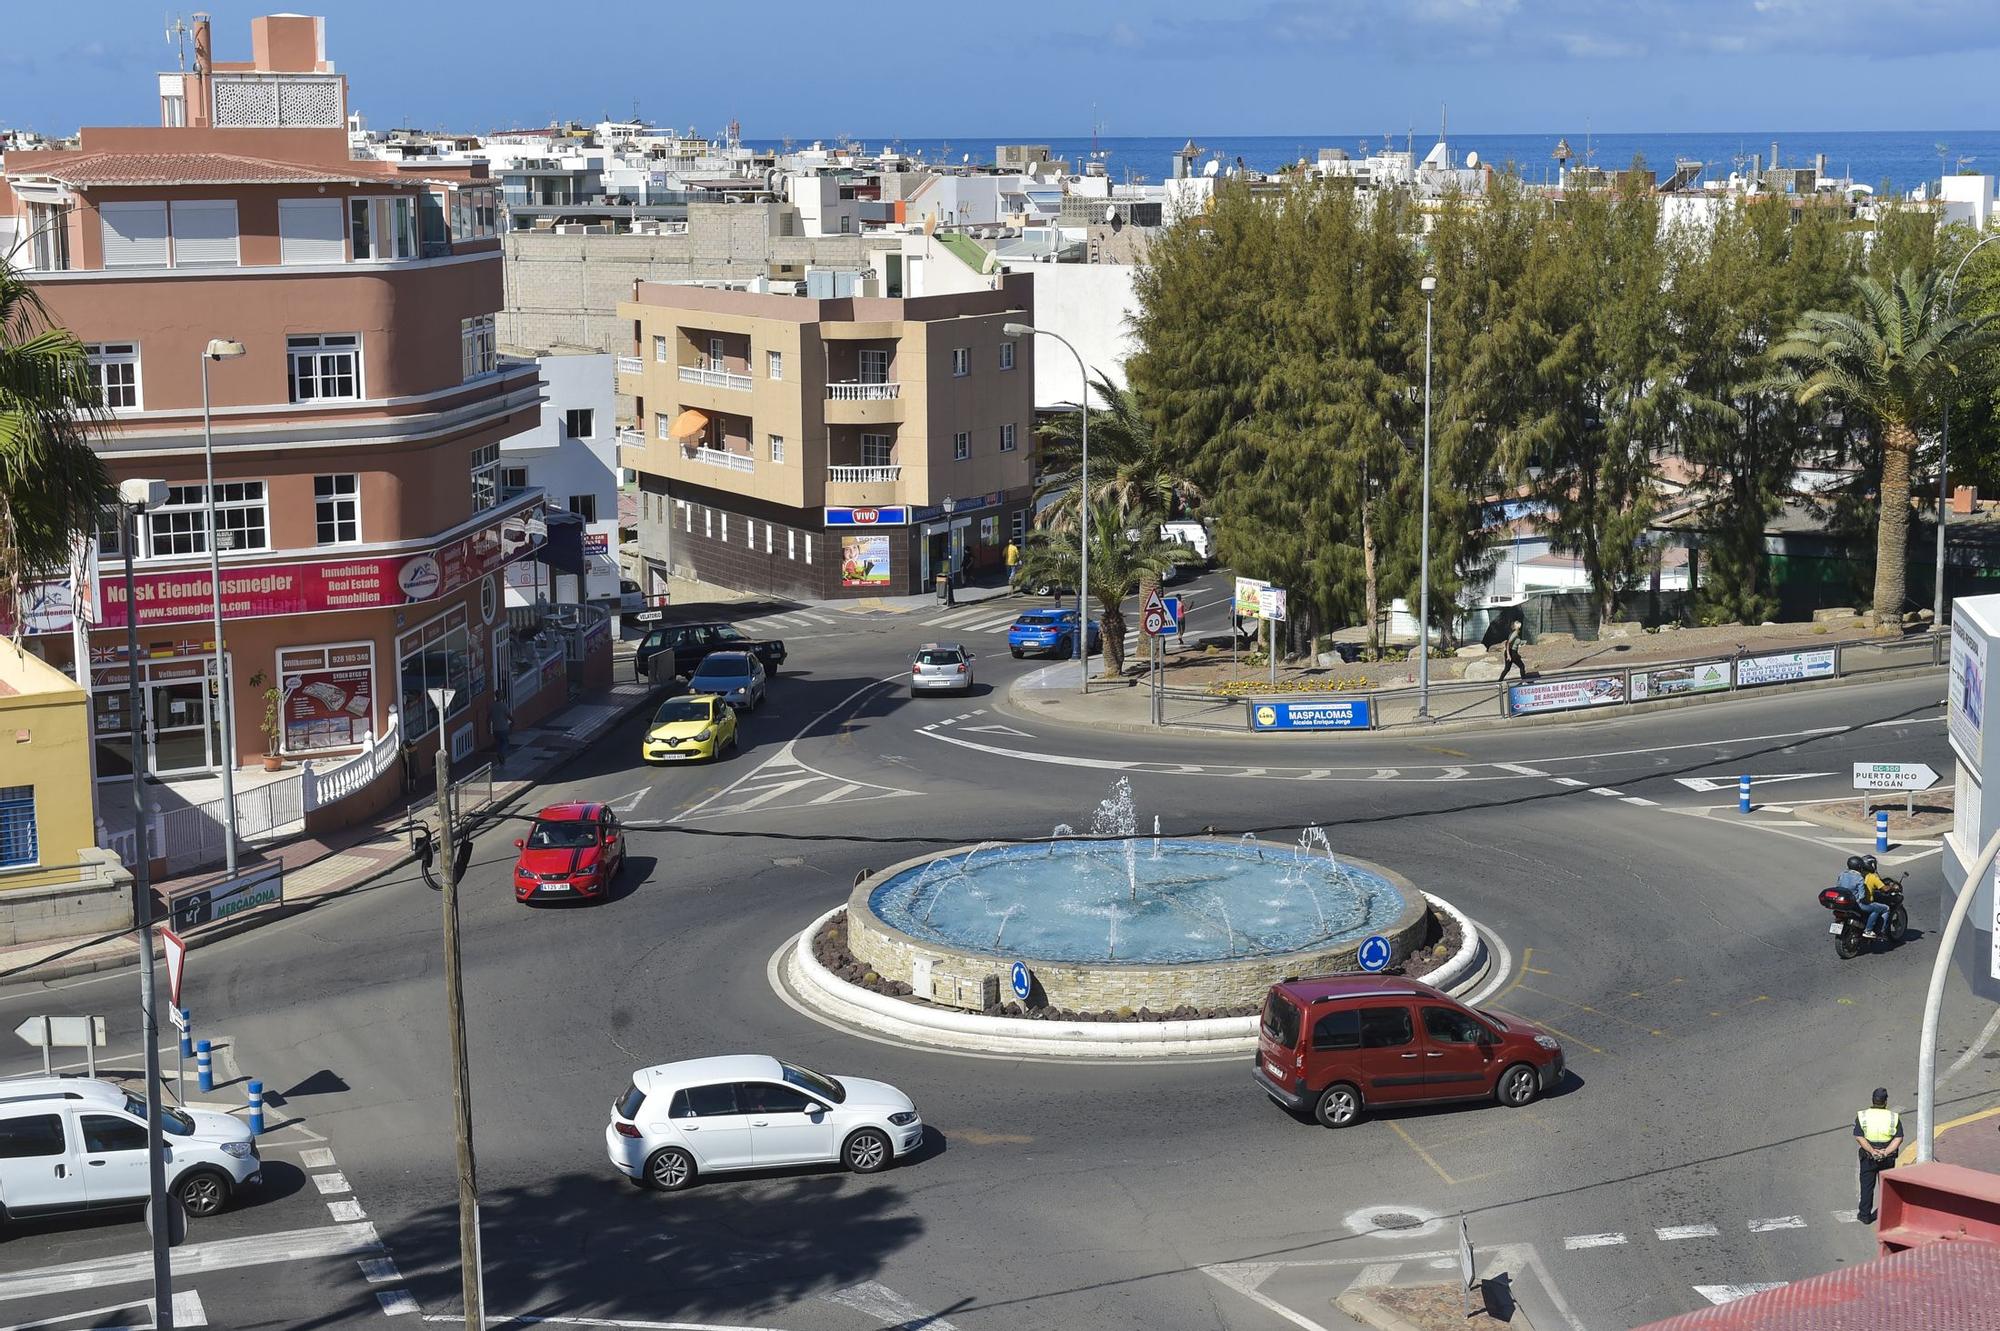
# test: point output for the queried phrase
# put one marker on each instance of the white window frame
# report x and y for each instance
(299, 248)
(183, 519)
(589, 415)
(1006, 355)
(1018, 525)
(478, 348)
(774, 366)
(961, 445)
(1007, 437)
(871, 364)
(218, 248)
(662, 423)
(878, 450)
(961, 362)
(135, 234)
(660, 352)
(483, 468)
(777, 442)
(102, 357)
(392, 228)
(313, 349)
(513, 480)
(328, 508)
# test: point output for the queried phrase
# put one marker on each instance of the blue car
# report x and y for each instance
(1051, 632)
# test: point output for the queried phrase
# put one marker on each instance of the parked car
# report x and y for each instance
(628, 600)
(695, 643)
(692, 726)
(572, 853)
(79, 1144)
(1194, 536)
(1335, 1046)
(735, 677)
(1052, 632)
(678, 1121)
(941, 667)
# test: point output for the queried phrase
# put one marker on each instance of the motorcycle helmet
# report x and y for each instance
(1856, 863)
(1869, 860)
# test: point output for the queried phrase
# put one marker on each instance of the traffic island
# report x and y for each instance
(1434, 1307)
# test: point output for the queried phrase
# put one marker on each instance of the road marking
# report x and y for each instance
(1672, 1233)
(328, 1184)
(346, 1212)
(532, 1319)
(1974, 1049)
(838, 792)
(1777, 1222)
(187, 1312)
(1377, 1274)
(872, 1299)
(317, 1158)
(1732, 782)
(192, 1259)
(1568, 781)
(1422, 1154)
(997, 730)
(1845, 1218)
(1453, 774)
(785, 757)
(1575, 1241)
(1606, 790)
(396, 1302)
(1640, 800)
(1731, 1293)
(379, 1270)
(1520, 770)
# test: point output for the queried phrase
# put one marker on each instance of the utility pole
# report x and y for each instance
(471, 1273)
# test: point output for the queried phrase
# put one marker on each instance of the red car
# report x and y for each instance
(574, 851)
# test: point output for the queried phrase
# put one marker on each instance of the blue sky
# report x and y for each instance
(1028, 70)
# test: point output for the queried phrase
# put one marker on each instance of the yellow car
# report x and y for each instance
(692, 726)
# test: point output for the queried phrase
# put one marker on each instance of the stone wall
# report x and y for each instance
(1109, 986)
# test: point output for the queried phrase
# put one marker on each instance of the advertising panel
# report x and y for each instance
(1783, 667)
(215, 902)
(1271, 603)
(1967, 714)
(1559, 695)
(327, 696)
(1674, 680)
(1247, 602)
(897, 516)
(1333, 714)
(864, 561)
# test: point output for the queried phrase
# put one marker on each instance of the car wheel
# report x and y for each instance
(1518, 1086)
(1339, 1105)
(202, 1192)
(1016, 651)
(1064, 648)
(866, 1152)
(669, 1169)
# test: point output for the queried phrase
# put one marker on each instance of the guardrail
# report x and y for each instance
(717, 457)
(319, 786)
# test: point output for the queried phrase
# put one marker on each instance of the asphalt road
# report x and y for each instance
(1718, 1047)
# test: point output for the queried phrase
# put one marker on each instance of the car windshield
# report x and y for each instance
(566, 834)
(171, 1119)
(628, 1103)
(939, 656)
(728, 633)
(729, 667)
(1281, 1021)
(1034, 621)
(825, 1087)
(685, 709)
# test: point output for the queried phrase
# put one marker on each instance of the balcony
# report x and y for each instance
(864, 475)
(630, 365)
(716, 457)
(864, 487)
(853, 403)
(859, 392)
(700, 374)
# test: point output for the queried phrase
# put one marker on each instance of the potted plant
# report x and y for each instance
(273, 700)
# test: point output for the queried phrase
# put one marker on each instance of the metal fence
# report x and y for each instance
(194, 836)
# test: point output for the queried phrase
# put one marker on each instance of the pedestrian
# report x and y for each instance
(1878, 1132)
(1013, 562)
(1511, 653)
(501, 718)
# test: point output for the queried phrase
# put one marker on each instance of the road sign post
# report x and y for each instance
(49, 1033)
(176, 951)
(1373, 954)
(1906, 777)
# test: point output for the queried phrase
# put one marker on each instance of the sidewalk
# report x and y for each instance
(316, 869)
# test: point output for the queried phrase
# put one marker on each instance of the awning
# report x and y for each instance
(687, 425)
(564, 550)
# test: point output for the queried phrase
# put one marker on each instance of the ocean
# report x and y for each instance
(1902, 159)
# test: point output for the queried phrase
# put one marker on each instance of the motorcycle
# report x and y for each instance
(1849, 919)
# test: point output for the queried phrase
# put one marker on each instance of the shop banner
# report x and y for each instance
(327, 697)
(1675, 680)
(215, 902)
(1561, 695)
(1337, 714)
(1248, 604)
(864, 561)
(1783, 667)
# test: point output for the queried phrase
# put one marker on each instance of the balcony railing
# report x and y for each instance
(863, 475)
(629, 365)
(631, 438)
(717, 457)
(698, 374)
(855, 392)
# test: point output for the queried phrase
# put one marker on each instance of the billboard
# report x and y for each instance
(1676, 680)
(1561, 695)
(327, 697)
(1333, 714)
(1784, 667)
(864, 560)
(1248, 605)
(1967, 698)
(212, 903)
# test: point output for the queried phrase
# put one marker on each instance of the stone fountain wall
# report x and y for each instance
(1108, 986)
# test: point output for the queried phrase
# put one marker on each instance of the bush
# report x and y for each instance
(1244, 688)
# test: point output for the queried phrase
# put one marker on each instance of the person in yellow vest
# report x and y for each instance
(1878, 1131)
(1013, 563)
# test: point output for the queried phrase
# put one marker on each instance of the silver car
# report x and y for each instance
(941, 667)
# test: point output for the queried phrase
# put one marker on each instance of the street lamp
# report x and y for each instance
(1429, 285)
(1017, 331)
(1944, 449)
(219, 349)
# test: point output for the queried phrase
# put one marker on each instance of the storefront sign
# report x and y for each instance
(1336, 714)
(327, 696)
(1673, 681)
(898, 516)
(864, 561)
(596, 543)
(1560, 695)
(211, 904)
(1783, 667)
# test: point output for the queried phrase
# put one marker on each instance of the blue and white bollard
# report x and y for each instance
(187, 1034)
(256, 1109)
(1881, 831)
(1742, 794)
(204, 1071)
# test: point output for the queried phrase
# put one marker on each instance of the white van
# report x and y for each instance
(79, 1144)
(1191, 534)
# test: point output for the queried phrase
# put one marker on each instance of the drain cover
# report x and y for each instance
(1396, 1220)
(1393, 1221)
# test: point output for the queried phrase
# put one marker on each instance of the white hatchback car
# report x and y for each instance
(79, 1144)
(748, 1111)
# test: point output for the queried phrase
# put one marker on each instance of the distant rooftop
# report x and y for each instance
(116, 168)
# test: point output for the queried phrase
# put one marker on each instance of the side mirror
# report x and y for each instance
(519, 844)
(610, 838)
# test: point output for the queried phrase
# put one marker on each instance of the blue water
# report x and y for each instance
(1904, 159)
(1196, 901)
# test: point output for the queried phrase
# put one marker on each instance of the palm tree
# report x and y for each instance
(1121, 559)
(1889, 366)
(52, 483)
(1128, 464)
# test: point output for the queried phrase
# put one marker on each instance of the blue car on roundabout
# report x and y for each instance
(1050, 633)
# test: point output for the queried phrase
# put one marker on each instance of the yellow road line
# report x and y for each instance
(1596, 1012)
(1424, 1155)
(1909, 1152)
(1527, 954)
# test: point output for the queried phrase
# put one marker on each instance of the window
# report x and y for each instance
(1006, 438)
(31, 1136)
(716, 360)
(485, 477)
(761, 1097)
(876, 450)
(1386, 1027)
(777, 447)
(1018, 526)
(135, 234)
(204, 233)
(584, 506)
(310, 231)
(1281, 1020)
(662, 423)
(173, 110)
(48, 230)
(809, 548)
(1449, 1026)
(475, 214)
(114, 370)
(1006, 355)
(102, 1132)
(337, 509)
(18, 843)
(325, 368)
(513, 480)
(180, 526)
(476, 347)
(961, 446)
(961, 361)
(580, 423)
(774, 366)
(846, 223)
(874, 365)
(660, 349)
(703, 1102)
(383, 229)
(434, 657)
(1338, 1030)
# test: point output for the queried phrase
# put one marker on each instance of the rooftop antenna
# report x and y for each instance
(177, 33)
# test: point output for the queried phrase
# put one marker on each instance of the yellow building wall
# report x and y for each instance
(45, 743)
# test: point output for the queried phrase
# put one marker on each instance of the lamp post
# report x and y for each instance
(133, 496)
(1019, 330)
(218, 349)
(1944, 449)
(1429, 285)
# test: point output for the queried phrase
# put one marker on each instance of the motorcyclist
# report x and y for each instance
(1871, 877)
(1859, 883)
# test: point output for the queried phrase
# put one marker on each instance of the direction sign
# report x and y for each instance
(178, 1015)
(1173, 605)
(176, 963)
(61, 1032)
(1374, 953)
(1023, 983)
(1154, 620)
(1893, 776)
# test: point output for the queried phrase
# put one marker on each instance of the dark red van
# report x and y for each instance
(1330, 1047)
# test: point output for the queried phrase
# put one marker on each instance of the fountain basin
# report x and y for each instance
(1104, 926)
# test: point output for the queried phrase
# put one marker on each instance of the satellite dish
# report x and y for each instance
(1471, 160)
(1214, 167)
(965, 157)
(1110, 213)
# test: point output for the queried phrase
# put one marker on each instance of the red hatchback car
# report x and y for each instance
(1330, 1047)
(573, 852)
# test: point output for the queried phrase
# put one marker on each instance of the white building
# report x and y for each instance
(573, 455)
(1968, 199)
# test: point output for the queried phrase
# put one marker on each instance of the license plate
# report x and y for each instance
(1835, 927)
(674, 753)
(1274, 1069)
(555, 887)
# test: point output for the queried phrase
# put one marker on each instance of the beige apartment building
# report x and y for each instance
(826, 448)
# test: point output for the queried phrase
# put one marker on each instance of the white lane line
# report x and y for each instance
(784, 757)
(191, 1259)
(1519, 770)
(1973, 1050)
(1777, 1222)
(1377, 1274)
(838, 793)
(1568, 781)
(872, 1299)
(396, 1302)
(1575, 1241)
(1845, 1217)
(531, 1319)
(187, 1309)
(186, 1304)
(1731, 1293)
(379, 1270)
(329, 1184)
(345, 1212)
(1640, 800)
(1671, 1233)
(1606, 790)
(318, 1158)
